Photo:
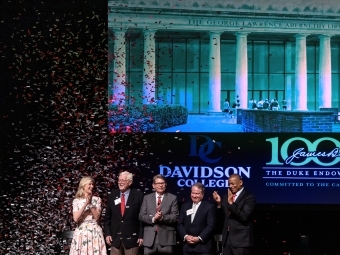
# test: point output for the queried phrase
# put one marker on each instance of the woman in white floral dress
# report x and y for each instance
(88, 237)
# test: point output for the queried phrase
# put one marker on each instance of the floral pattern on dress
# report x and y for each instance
(88, 238)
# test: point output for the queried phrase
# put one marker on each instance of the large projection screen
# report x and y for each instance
(278, 169)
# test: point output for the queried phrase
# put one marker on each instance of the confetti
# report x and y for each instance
(54, 121)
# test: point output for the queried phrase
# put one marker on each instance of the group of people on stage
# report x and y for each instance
(154, 221)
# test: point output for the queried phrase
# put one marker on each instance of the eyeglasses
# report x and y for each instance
(123, 181)
(159, 183)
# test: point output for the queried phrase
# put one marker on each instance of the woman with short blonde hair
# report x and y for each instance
(88, 238)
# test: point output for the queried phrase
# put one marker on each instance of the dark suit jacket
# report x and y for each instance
(239, 221)
(166, 227)
(203, 226)
(126, 227)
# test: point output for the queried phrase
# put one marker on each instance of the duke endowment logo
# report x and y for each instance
(294, 159)
(310, 153)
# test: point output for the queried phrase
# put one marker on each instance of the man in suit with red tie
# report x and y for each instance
(236, 210)
(123, 230)
(196, 225)
(159, 213)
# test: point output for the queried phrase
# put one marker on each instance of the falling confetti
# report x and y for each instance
(54, 122)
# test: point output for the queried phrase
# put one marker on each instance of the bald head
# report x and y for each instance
(235, 183)
(236, 176)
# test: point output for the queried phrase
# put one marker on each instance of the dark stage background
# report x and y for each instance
(54, 130)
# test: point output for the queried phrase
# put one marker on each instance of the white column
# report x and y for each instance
(110, 59)
(301, 73)
(288, 87)
(119, 68)
(149, 67)
(288, 91)
(214, 96)
(325, 72)
(241, 80)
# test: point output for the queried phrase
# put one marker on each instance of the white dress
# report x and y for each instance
(88, 238)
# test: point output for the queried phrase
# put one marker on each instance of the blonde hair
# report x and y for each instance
(85, 180)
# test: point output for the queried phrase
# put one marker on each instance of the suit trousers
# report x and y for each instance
(228, 249)
(122, 251)
(157, 249)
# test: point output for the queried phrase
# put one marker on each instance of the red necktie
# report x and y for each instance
(159, 201)
(122, 204)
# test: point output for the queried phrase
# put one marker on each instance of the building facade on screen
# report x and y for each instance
(197, 53)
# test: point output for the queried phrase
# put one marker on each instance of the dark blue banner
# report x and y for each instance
(276, 168)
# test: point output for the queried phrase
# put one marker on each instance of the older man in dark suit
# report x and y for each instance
(196, 225)
(159, 213)
(236, 210)
(123, 230)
